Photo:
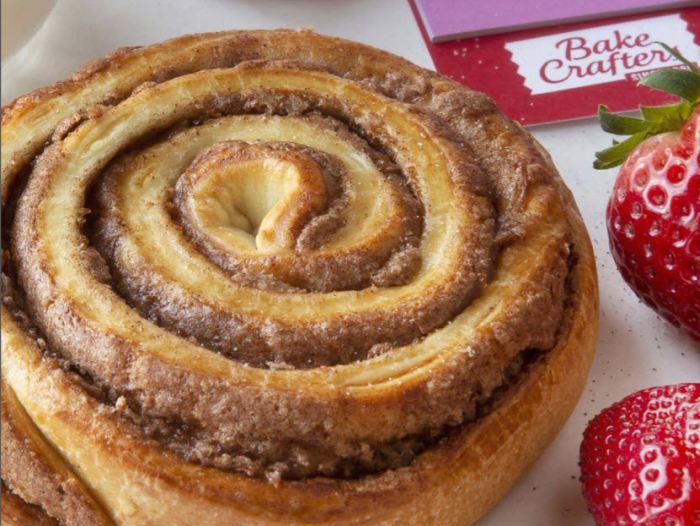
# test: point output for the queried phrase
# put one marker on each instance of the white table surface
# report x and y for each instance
(636, 348)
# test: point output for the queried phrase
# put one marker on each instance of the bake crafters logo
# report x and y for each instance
(601, 54)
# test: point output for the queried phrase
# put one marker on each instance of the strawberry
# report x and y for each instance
(654, 211)
(640, 459)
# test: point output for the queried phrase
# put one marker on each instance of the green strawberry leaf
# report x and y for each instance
(680, 82)
(666, 118)
(616, 154)
(675, 113)
(620, 124)
(684, 83)
(676, 54)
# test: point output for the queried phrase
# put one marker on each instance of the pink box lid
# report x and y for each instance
(453, 19)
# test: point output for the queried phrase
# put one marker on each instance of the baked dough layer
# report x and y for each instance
(383, 251)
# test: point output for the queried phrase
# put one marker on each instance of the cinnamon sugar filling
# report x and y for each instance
(311, 278)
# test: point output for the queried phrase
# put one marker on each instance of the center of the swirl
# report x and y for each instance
(323, 213)
(250, 196)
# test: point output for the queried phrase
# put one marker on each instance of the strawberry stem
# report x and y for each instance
(683, 83)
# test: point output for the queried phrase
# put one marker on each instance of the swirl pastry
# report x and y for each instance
(273, 277)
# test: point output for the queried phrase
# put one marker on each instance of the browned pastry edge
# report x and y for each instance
(35, 470)
(458, 481)
(16, 511)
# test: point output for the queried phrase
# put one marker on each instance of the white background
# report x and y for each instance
(636, 348)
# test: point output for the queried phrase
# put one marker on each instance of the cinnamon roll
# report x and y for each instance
(274, 277)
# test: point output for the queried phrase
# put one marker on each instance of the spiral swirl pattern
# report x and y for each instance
(271, 256)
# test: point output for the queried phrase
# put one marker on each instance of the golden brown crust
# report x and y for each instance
(36, 472)
(165, 431)
(455, 483)
(17, 512)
